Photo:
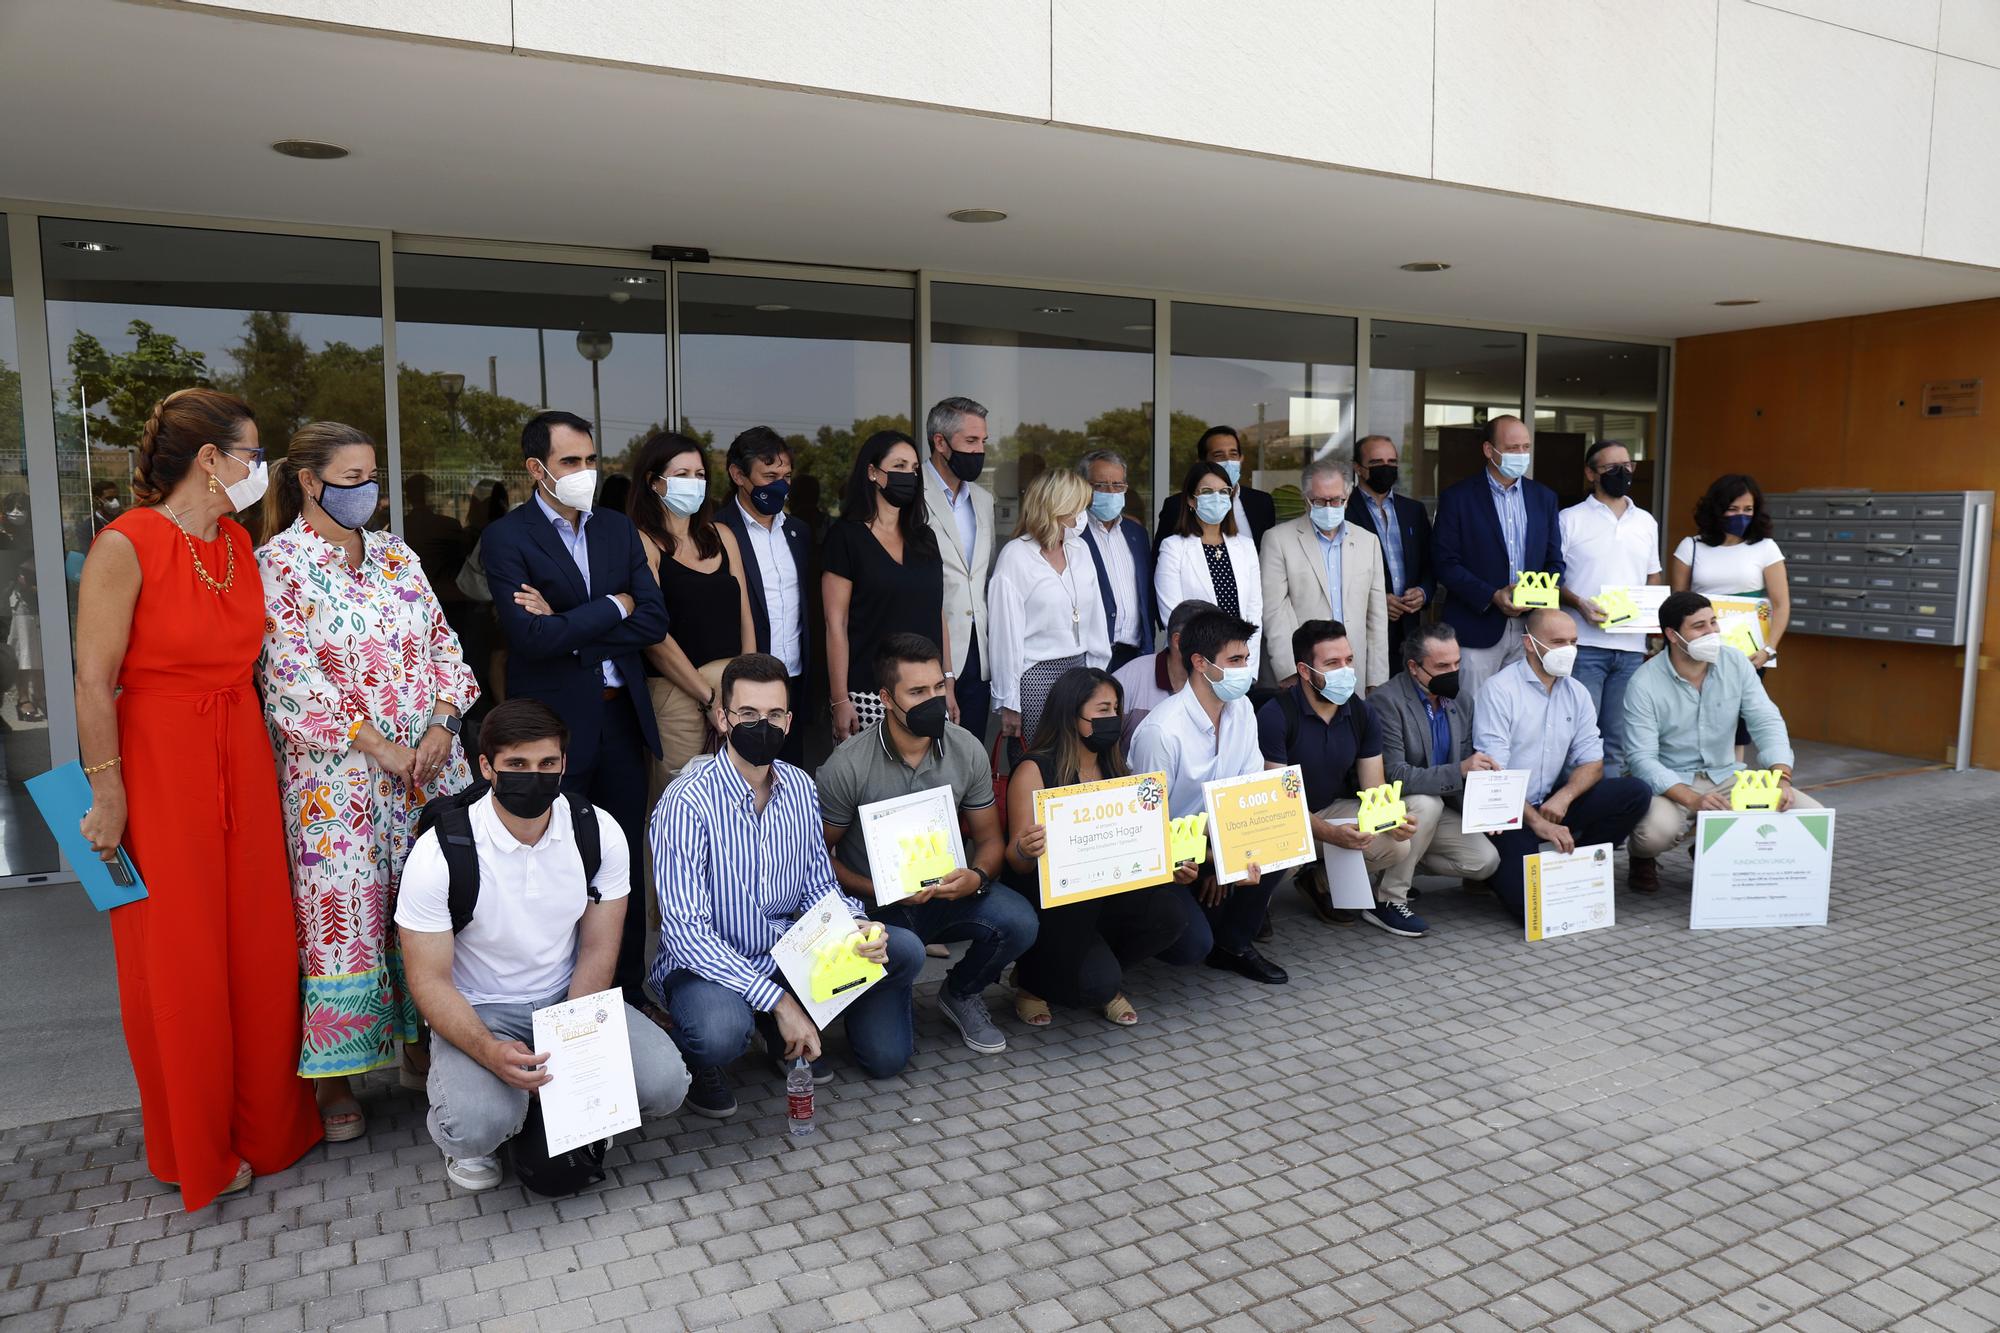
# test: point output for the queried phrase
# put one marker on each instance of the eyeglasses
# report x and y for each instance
(1109, 487)
(255, 452)
(744, 717)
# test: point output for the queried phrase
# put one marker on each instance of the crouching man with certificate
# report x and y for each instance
(510, 903)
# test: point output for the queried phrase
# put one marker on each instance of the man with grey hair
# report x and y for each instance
(1123, 556)
(1149, 682)
(961, 513)
(1321, 567)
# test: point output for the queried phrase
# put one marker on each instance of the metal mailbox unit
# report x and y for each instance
(1903, 567)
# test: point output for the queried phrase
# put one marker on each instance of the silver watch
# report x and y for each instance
(447, 721)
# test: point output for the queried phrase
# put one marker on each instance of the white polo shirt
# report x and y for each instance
(1606, 550)
(1176, 739)
(520, 945)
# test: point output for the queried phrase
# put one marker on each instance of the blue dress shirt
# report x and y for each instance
(1548, 732)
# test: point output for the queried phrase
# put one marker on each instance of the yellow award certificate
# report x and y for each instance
(1104, 837)
(1259, 819)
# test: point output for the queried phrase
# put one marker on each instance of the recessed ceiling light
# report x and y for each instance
(1742, 300)
(976, 215)
(773, 307)
(636, 279)
(1499, 347)
(91, 247)
(1138, 328)
(1381, 335)
(312, 150)
(1425, 266)
(1055, 310)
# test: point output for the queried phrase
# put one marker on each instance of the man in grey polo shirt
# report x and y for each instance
(914, 748)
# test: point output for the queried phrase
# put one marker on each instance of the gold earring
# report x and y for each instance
(212, 487)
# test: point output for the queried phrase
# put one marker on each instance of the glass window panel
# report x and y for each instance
(1431, 387)
(825, 364)
(1062, 373)
(1285, 380)
(1589, 389)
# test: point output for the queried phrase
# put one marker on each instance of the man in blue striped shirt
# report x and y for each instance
(739, 855)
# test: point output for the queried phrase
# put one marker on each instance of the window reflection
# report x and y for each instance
(1431, 387)
(1586, 390)
(25, 845)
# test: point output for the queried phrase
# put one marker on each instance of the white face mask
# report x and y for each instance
(1708, 648)
(1328, 517)
(1079, 523)
(578, 490)
(1558, 662)
(251, 489)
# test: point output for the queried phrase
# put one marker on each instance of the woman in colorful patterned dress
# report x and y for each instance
(364, 685)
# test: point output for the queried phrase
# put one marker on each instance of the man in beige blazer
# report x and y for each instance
(1304, 557)
(961, 514)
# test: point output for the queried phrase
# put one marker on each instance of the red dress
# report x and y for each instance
(208, 965)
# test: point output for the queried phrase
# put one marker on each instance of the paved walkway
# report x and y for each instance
(1643, 1128)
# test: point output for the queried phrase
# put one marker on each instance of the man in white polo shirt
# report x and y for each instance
(1607, 542)
(538, 930)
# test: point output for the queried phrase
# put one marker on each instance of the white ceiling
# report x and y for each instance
(125, 105)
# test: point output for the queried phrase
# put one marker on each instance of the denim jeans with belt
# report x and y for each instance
(1605, 672)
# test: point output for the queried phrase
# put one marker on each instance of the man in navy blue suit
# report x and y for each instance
(1489, 528)
(777, 565)
(1123, 555)
(577, 603)
(1404, 531)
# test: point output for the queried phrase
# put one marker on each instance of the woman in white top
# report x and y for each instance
(1043, 605)
(1733, 555)
(1209, 558)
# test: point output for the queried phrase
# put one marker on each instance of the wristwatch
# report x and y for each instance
(447, 721)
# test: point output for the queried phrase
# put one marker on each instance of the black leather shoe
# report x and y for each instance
(1249, 964)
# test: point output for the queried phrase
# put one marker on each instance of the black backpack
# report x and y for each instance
(1288, 706)
(451, 816)
(554, 1177)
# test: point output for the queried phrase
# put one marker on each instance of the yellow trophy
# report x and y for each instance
(1536, 589)
(1617, 606)
(838, 965)
(1755, 789)
(927, 859)
(1188, 839)
(1382, 808)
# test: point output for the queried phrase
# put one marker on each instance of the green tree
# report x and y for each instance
(122, 387)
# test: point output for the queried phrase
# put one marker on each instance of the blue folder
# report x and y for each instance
(62, 795)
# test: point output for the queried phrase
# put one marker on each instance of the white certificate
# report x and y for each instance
(823, 923)
(590, 1094)
(1493, 800)
(1647, 597)
(1103, 837)
(1569, 894)
(1347, 874)
(1761, 868)
(904, 836)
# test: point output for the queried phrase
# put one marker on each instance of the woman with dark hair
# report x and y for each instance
(1733, 556)
(1080, 955)
(882, 576)
(364, 687)
(170, 617)
(1207, 557)
(696, 562)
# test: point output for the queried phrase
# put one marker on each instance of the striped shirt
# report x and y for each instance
(731, 879)
(1389, 528)
(1511, 503)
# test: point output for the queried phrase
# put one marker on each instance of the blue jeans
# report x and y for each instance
(1605, 672)
(999, 922)
(712, 1023)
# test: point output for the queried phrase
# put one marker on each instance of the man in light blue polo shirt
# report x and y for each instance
(1532, 715)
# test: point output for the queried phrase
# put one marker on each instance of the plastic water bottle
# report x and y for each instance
(799, 1098)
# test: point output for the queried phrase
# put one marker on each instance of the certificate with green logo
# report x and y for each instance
(1758, 868)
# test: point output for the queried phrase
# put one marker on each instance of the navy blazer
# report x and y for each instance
(1142, 571)
(799, 538)
(558, 659)
(1413, 524)
(1471, 555)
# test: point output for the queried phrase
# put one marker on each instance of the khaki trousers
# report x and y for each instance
(1666, 823)
(1392, 861)
(1449, 850)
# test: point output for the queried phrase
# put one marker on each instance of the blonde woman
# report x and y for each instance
(1043, 603)
(363, 685)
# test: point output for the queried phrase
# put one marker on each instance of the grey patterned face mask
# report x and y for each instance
(350, 506)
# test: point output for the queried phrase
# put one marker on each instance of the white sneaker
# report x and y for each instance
(472, 1173)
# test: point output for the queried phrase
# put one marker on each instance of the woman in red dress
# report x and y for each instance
(170, 619)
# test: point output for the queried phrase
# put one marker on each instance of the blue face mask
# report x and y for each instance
(1211, 507)
(685, 495)
(1337, 686)
(1235, 682)
(350, 506)
(1328, 518)
(1234, 467)
(769, 498)
(1515, 465)
(1104, 506)
(1737, 524)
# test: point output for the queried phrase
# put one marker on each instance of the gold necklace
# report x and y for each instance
(201, 570)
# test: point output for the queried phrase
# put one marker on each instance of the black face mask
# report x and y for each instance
(899, 488)
(526, 795)
(769, 498)
(1616, 481)
(1382, 478)
(928, 718)
(757, 743)
(1105, 733)
(1444, 685)
(966, 465)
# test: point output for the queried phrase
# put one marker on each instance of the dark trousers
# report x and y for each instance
(1121, 653)
(616, 782)
(1081, 954)
(1605, 813)
(975, 696)
(1231, 927)
(999, 923)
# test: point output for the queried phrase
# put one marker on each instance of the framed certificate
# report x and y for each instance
(1493, 801)
(1104, 837)
(824, 923)
(1260, 819)
(1567, 894)
(913, 842)
(1758, 868)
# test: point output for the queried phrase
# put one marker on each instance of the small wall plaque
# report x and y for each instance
(1951, 398)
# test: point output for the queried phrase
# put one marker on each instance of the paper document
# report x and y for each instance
(1569, 894)
(1493, 800)
(913, 842)
(1761, 868)
(1103, 837)
(591, 1094)
(1346, 874)
(821, 926)
(1646, 599)
(1258, 819)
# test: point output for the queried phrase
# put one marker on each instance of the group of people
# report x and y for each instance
(290, 713)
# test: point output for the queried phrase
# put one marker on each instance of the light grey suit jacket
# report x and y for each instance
(964, 584)
(1295, 591)
(1406, 740)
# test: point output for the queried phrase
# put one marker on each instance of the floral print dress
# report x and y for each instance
(344, 646)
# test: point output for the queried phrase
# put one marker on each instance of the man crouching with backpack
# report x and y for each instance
(513, 899)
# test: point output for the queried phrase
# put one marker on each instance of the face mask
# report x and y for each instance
(1444, 685)
(966, 465)
(1558, 662)
(1104, 506)
(1737, 524)
(1382, 478)
(251, 489)
(526, 795)
(1104, 734)
(1708, 648)
(1327, 518)
(1617, 482)
(1235, 682)
(1234, 467)
(1211, 507)
(769, 499)
(578, 490)
(1337, 686)
(350, 506)
(685, 495)
(17, 515)
(1079, 523)
(899, 488)
(1515, 466)
(928, 718)
(757, 743)
(112, 505)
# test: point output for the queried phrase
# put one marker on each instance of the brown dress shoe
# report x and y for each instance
(1644, 876)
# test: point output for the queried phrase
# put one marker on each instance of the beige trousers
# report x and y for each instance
(1449, 850)
(1666, 823)
(1392, 861)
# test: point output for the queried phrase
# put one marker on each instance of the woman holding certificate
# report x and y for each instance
(1046, 613)
(1083, 948)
